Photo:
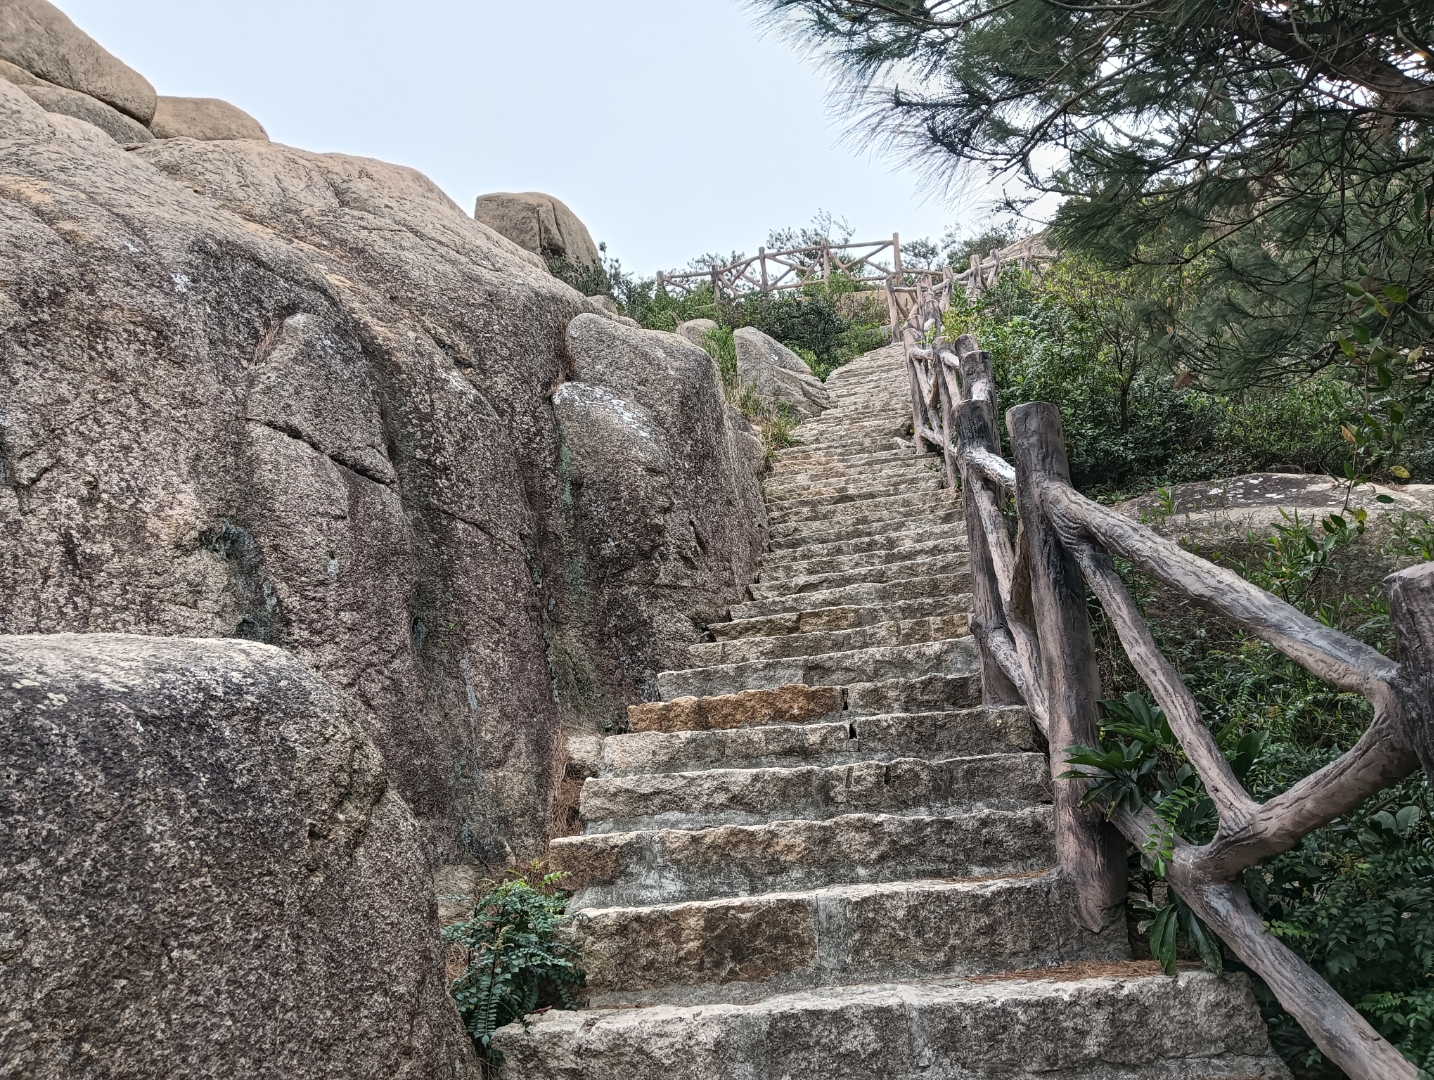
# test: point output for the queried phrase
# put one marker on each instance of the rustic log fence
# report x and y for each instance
(1031, 623)
(862, 266)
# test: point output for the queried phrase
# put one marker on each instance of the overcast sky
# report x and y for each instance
(672, 127)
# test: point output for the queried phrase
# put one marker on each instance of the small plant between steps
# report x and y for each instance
(774, 420)
(516, 964)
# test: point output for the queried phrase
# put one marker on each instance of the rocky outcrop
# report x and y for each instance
(207, 119)
(538, 223)
(779, 375)
(206, 873)
(56, 99)
(249, 391)
(40, 38)
(660, 485)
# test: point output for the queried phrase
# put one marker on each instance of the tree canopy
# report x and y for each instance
(1268, 156)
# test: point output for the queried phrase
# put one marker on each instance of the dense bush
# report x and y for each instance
(1093, 342)
(827, 323)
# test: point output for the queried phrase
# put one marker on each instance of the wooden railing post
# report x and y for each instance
(1090, 852)
(1411, 608)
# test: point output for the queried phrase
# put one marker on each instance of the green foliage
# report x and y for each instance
(516, 961)
(773, 420)
(1268, 150)
(1094, 342)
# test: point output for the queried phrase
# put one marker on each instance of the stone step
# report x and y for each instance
(815, 533)
(931, 500)
(1131, 1024)
(881, 542)
(636, 869)
(858, 445)
(956, 656)
(742, 949)
(796, 458)
(782, 569)
(819, 642)
(792, 704)
(931, 566)
(864, 594)
(822, 466)
(823, 743)
(833, 476)
(851, 482)
(875, 490)
(713, 797)
(898, 507)
(839, 618)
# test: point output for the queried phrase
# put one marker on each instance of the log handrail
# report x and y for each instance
(1032, 628)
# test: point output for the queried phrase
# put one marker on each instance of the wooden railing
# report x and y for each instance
(859, 266)
(1031, 624)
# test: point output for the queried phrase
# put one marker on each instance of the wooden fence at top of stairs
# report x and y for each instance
(1031, 624)
(874, 265)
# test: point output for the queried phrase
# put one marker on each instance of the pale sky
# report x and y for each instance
(671, 127)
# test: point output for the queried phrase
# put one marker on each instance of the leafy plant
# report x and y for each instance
(515, 958)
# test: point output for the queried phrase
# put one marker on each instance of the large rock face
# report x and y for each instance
(779, 374)
(203, 118)
(40, 38)
(538, 223)
(205, 873)
(660, 480)
(248, 391)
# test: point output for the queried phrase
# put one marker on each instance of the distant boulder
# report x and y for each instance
(40, 38)
(779, 374)
(540, 224)
(694, 330)
(206, 119)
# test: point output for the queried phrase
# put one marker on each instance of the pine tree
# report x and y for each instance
(1273, 157)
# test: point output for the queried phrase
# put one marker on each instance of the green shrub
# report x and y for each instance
(516, 962)
(1090, 342)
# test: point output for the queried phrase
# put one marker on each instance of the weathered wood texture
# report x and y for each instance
(1090, 851)
(1029, 618)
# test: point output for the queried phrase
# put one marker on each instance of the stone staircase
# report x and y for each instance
(821, 857)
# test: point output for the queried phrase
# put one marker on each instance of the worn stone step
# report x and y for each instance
(898, 507)
(874, 491)
(1133, 1024)
(878, 736)
(956, 656)
(814, 533)
(742, 949)
(814, 460)
(836, 477)
(783, 569)
(839, 618)
(863, 444)
(940, 627)
(713, 797)
(860, 545)
(635, 869)
(863, 594)
(948, 562)
(852, 483)
(794, 459)
(791, 704)
(901, 504)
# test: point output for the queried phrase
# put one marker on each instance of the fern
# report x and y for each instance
(515, 958)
